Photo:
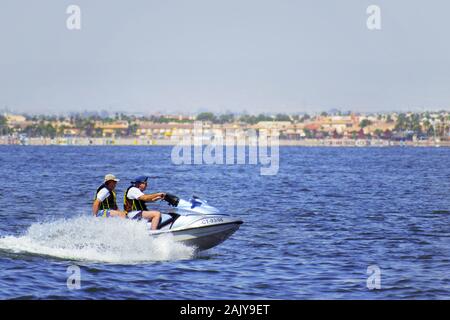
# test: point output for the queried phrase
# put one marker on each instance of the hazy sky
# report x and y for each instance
(253, 55)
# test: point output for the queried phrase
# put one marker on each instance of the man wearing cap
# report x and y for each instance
(135, 202)
(105, 204)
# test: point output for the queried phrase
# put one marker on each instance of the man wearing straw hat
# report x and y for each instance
(105, 204)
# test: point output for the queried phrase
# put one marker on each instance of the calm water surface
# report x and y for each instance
(310, 232)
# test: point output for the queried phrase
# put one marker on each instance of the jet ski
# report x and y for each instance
(195, 223)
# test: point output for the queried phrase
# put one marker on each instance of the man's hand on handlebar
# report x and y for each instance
(160, 196)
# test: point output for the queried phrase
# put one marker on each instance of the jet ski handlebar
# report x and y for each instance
(173, 200)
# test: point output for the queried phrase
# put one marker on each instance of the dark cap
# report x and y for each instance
(140, 179)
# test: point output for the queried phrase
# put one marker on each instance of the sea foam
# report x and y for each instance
(86, 238)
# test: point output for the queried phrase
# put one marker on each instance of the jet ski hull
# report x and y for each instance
(196, 223)
(203, 237)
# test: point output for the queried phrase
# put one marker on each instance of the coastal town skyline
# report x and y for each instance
(335, 128)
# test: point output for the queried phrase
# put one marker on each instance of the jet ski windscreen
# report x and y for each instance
(172, 199)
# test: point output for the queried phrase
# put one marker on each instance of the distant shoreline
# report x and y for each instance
(336, 143)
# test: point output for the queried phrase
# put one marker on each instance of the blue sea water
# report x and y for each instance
(309, 232)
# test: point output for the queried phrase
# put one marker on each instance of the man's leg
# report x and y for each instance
(152, 216)
(116, 213)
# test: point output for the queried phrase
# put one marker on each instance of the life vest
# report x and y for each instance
(133, 204)
(109, 202)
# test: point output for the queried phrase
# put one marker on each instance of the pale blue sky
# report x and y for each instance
(253, 55)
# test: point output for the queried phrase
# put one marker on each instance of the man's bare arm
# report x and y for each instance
(95, 206)
(152, 197)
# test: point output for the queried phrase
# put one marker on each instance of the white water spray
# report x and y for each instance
(110, 240)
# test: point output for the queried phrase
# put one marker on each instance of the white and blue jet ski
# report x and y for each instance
(195, 223)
